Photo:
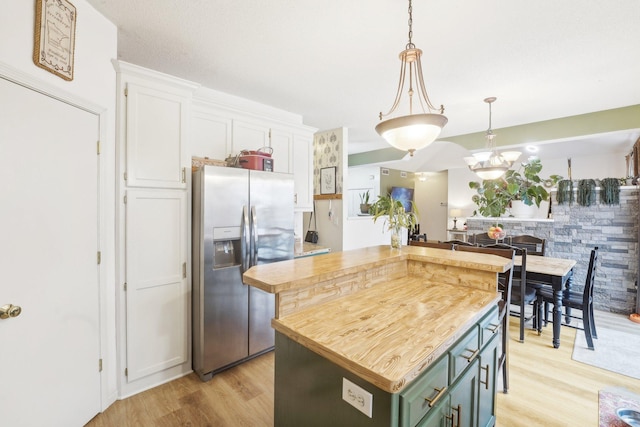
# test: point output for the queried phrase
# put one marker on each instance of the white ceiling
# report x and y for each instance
(336, 63)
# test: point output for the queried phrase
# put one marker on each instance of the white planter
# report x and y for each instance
(520, 210)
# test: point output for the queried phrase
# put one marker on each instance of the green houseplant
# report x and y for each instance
(524, 184)
(364, 202)
(397, 217)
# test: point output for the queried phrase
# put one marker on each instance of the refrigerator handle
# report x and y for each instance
(244, 240)
(254, 236)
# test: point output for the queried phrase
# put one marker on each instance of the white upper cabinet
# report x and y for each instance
(156, 135)
(254, 136)
(210, 134)
(280, 142)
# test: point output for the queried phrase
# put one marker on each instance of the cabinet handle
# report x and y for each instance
(459, 409)
(473, 355)
(494, 328)
(184, 175)
(486, 381)
(450, 418)
(433, 401)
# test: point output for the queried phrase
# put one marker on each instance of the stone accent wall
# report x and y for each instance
(575, 230)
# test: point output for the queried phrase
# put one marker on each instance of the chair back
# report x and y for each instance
(437, 245)
(505, 279)
(457, 242)
(519, 278)
(587, 295)
(534, 245)
(482, 239)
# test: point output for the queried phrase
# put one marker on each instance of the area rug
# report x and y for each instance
(614, 351)
(612, 398)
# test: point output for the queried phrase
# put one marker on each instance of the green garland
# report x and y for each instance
(565, 192)
(610, 191)
(586, 192)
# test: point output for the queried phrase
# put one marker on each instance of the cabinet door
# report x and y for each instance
(303, 171)
(439, 416)
(487, 383)
(156, 135)
(281, 143)
(156, 283)
(249, 136)
(464, 398)
(210, 135)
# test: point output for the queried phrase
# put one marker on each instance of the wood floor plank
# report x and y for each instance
(547, 388)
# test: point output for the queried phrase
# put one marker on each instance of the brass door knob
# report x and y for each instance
(10, 310)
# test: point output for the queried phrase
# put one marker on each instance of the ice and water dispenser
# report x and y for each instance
(226, 247)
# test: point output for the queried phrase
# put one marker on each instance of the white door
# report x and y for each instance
(49, 354)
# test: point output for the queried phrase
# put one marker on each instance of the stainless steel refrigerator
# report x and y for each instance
(241, 218)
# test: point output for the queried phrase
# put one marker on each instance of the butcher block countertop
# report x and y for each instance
(389, 334)
(298, 273)
(382, 314)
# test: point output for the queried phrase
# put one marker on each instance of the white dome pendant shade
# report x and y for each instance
(413, 131)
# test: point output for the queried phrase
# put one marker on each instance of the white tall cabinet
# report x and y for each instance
(162, 122)
(154, 310)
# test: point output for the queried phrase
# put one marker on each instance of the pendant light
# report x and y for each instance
(414, 131)
(491, 164)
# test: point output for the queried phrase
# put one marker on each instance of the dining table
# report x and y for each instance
(556, 273)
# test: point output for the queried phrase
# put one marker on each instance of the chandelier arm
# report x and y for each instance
(396, 102)
(423, 89)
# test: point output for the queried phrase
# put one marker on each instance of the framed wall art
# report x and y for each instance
(328, 180)
(55, 37)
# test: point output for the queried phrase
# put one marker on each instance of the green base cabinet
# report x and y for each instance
(457, 390)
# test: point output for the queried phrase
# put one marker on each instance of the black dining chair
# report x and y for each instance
(482, 239)
(437, 245)
(574, 300)
(457, 242)
(505, 285)
(534, 245)
(522, 294)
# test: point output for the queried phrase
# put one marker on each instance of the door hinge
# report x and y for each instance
(184, 270)
(125, 199)
(99, 257)
(184, 175)
(99, 365)
(98, 143)
(126, 372)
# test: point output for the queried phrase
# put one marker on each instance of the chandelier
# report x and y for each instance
(491, 164)
(414, 131)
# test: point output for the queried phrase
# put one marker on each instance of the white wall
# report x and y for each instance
(93, 83)
(361, 180)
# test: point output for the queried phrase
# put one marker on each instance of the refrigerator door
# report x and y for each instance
(271, 198)
(220, 330)
(272, 223)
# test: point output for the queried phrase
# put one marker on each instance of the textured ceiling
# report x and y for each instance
(336, 63)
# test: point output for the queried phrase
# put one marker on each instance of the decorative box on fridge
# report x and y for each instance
(257, 160)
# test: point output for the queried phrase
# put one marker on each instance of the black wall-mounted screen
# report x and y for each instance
(405, 195)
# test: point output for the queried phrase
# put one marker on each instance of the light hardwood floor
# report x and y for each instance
(547, 388)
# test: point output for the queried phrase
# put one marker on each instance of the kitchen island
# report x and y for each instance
(385, 337)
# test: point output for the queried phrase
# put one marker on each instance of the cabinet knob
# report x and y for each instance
(10, 310)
